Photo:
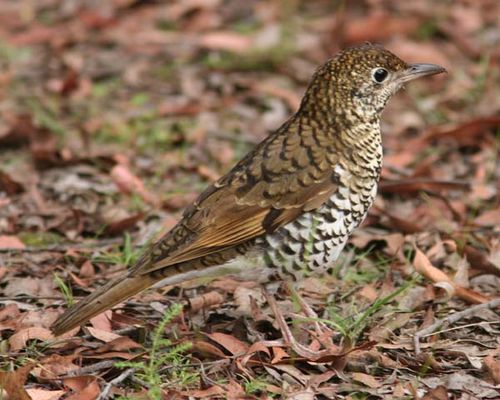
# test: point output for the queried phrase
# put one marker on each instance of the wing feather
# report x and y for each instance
(261, 194)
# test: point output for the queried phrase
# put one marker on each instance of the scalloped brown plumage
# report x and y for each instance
(331, 143)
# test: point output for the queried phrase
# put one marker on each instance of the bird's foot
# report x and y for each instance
(323, 333)
(320, 327)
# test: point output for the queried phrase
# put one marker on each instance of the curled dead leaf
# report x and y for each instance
(424, 267)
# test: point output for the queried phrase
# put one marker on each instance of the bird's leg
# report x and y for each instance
(320, 327)
(288, 337)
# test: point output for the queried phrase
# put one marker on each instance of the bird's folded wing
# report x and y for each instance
(280, 180)
(226, 223)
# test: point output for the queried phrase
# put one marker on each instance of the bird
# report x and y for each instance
(289, 206)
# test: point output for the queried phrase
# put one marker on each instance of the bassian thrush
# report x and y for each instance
(290, 204)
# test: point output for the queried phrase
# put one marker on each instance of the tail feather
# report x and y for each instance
(102, 299)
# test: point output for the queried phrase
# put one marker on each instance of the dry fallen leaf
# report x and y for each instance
(129, 183)
(365, 379)
(43, 394)
(438, 393)
(11, 242)
(89, 391)
(235, 346)
(102, 321)
(205, 301)
(225, 40)
(19, 339)
(424, 267)
(13, 382)
(105, 336)
(492, 364)
(489, 218)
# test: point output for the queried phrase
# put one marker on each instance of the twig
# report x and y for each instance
(61, 248)
(119, 379)
(451, 319)
(91, 369)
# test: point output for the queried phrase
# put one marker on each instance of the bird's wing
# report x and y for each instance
(286, 175)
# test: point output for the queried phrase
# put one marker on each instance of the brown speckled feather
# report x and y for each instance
(259, 195)
(292, 202)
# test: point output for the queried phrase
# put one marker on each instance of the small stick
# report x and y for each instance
(451, 319)
(91, 369)
(119, 379)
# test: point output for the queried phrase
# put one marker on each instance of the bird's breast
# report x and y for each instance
(314, 240)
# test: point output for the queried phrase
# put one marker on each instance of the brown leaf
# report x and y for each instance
(37, 34)
(9, 185)
(103, 335)
(21, 129)
(225, 40)
(489, 218)
(13, 382)
(467, 133)
(87, 270)
(42, 287)
(11, 242)
(43, 394)
(278, 355)
(121, 343)
(44, 149)
(207, 172)
(206, 348)
(257, 347)
(424, 267)
(479, 261)
(55, 366)
(9, 311)
(129, 183)
(368, 292)
(89, 392)
(416, 185)
(118, 227)
(205, 301)
(102, 321)
(235, 346)
(492, 364)
(365, 379)
(404, 225)
(438, 393)
(77, 383)
(19, 339)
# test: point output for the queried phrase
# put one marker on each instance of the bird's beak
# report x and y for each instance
(415, 71)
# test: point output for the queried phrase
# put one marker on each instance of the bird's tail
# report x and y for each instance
(102, 299)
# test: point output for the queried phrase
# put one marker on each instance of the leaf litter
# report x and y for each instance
(115, 115)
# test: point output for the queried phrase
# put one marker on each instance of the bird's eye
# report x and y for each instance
(379, 74)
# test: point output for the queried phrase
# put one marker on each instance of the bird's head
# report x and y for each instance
(364, 78)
